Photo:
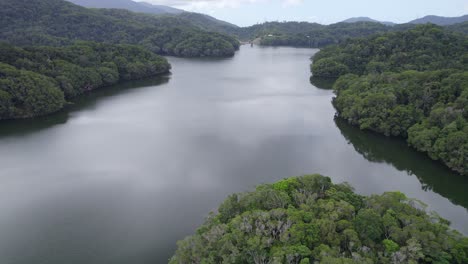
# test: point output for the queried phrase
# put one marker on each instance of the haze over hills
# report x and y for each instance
(366, 19)
(141, 7)
(202, 21)
(439, 20)
(166, 9)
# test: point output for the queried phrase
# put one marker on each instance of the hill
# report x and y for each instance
(309, 219)
(130, 5)
(304, 34)
(166, 9)
(208, 23)
(412, 84)
(202, 21)
(57, 22)
(439, 20)
(366, 19)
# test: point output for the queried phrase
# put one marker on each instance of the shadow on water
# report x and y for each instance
(322, 83)
(433, 175)
(87, 101)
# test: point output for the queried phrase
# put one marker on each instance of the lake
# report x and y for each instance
(126, 171)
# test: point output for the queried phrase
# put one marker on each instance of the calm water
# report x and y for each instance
(127, 171)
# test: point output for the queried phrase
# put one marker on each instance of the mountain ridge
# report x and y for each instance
(58, 23)
(140, 7)
(440, 20)
(202, 21)
(367, 19)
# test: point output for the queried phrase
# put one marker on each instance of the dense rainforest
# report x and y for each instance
(412, 84)
(460, 27)
(316, 35)
(298, 34)
(58, 23)
(309, 219)
(36, 81)
(304, 34)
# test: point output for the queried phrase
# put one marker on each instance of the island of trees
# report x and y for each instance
(36, 81)
(309, 219)
(412, 84)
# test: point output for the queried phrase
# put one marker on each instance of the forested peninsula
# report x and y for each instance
(309, 219)
(412, 84)
(36, 81)
(53, 50)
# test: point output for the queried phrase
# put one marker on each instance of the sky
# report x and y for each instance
(249, 12)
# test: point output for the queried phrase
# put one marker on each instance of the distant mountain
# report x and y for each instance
(366, 19)
(441, 21)
(359, 19)
(200, 20)
(130, 5)
(167, 9)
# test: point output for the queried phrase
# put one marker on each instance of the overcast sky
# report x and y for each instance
(249, 12)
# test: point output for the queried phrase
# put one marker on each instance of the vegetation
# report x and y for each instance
(460, 27)
(58, 23)
(208, 23)
(304, 34)
(316, 36)
(439, 20)
(311, 220)
(412, 84)
(36, 81)
(433, 176)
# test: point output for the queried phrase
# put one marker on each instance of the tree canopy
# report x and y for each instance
(309, 219)
(412, 84)
(57, 23)
(315, 35)
(38, 80)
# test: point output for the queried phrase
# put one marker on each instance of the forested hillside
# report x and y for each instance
(36, 81)
(319, 36)
(460, 27)
(208, 23)
(202, 21)
(439, 20)
(308, 219)
(412, 84)
(57, 22)
(305, 34)
(140, 7)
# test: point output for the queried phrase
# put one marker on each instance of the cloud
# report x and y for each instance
(287, 3)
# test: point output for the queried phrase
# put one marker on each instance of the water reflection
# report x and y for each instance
(23, 127)
(433, 176)
(322, 83)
